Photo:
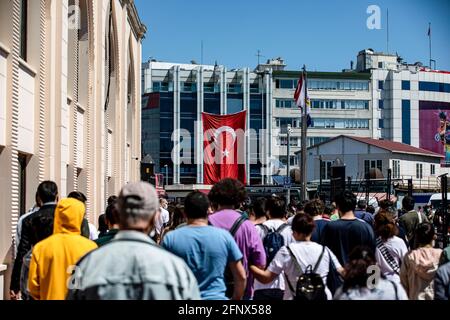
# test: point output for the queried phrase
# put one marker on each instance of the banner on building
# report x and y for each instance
(224, 147)
(434, 128)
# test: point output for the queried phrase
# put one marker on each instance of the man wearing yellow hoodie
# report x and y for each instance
(53, 259)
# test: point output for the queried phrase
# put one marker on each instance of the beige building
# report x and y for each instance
(70, 96)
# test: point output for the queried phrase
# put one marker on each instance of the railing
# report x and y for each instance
(429, 183)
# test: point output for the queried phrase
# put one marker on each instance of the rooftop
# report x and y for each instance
(392, 146)
(323, 75)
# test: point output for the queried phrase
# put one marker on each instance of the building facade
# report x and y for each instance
(70, 102)
(359, 155)
(175, 95)
(382, 98)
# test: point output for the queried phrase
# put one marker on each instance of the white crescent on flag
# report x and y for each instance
(231, 132)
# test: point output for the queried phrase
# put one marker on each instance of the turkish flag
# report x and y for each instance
(224, 147)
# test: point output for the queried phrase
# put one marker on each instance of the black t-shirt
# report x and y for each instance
(342, 236)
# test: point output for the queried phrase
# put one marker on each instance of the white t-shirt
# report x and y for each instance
(307, 254)
(397, 248)
(278, 282)
(93, 232)
(163, 219)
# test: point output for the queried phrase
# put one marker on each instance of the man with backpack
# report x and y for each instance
(411, 220)
(206, 250)
(305, 264)
(226, 196)
(276, 233)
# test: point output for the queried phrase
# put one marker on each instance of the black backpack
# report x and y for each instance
(273, 241)
(310, 286)
(228, 275)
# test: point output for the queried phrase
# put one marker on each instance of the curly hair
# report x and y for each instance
(228, 192)
(314, 207)
(355, 275)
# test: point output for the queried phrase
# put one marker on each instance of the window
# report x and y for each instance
(380, 65)
(23, 29)
(406, 85)
(210, 87)
(341, 123)
(285, 84)
(338, 85)
(325, 169)
(381, 85)
(432, 169)
(284, 103)
(381, 123)
(406, 121)
(381, 104)
(434, 86)
(22, 182)
(254, 88)
(283, 141)
(188, 87)
(419, 171)
(159, 86)
(395, 169)
(234, 88)
(312, 141)
(372, 164)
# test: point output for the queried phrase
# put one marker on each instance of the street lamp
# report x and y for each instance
(167, 174)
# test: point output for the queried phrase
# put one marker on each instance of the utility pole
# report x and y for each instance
(258, 54)
(288, 173)
(304, 137)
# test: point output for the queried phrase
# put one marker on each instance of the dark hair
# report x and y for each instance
(42, 228)
(112, 199)
(47, 191)
(314, 207)
(408, 203)
(362, 204)
(77, 195)
(259, 207)
(424, 234)
(385, 226)
(303, 224)
(360, 259)
(370, 209)
(328, 209)
(102, 225)
(384, 204)
(228, 192)
(276, 207)
(345, 201)
(111, 213)
(196, 205)
(178, 217)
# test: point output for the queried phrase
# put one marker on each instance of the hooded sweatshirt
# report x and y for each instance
(417, 272)
(52, 258)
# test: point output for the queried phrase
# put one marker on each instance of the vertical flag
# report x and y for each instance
(301, 97)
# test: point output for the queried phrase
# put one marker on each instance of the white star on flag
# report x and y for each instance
(226, 153)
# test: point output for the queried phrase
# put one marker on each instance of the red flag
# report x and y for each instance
(224, 147)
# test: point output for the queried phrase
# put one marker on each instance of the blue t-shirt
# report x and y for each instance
(206, 250)
(317, 233)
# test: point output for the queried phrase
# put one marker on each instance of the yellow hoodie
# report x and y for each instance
(52, 258)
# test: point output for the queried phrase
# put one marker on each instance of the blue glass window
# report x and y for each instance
(406, 121)
(406, 85)
(434, 86)
(381, 104)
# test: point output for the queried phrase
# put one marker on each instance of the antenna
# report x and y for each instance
(201, 59)
(387, 30)
(259, 55)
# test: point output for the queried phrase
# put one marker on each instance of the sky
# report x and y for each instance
(325, 35)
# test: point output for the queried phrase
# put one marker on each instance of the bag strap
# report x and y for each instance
(264, 228)
(282, 227)
(319, 260)
(387, 256)
(297, 266)
(395, 289)
(237, 224)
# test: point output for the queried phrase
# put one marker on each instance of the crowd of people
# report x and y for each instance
(219, 246)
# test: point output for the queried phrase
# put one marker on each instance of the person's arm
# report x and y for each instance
(33, 278)
(24, 247)
(263, 276)
(440, 286)
(239, 278)
(404, 274)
